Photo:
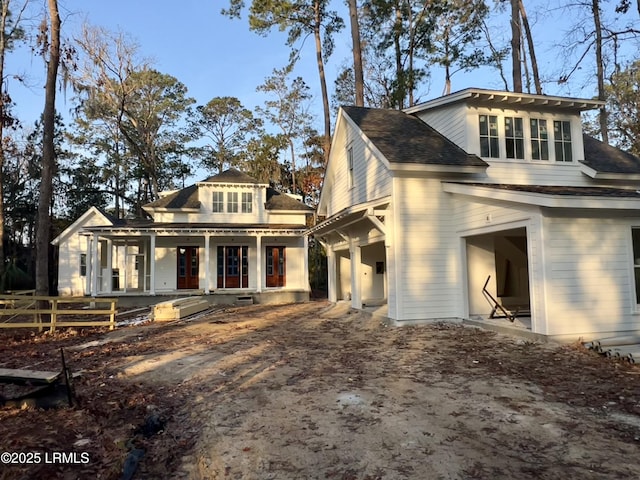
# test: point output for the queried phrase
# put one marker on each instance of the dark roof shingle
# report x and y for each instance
(185, 198)
(231, 176)
(404, 138)
(604, 158)
(281, 201)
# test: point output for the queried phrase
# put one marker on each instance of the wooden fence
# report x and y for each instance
(13, 309)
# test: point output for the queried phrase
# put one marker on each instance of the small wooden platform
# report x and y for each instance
(33, 377)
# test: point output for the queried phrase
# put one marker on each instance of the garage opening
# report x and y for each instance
(498, 263)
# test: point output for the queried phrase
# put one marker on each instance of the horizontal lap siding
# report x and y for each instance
(428, 261)
(450, 122)
(535, 173)
(371, 179)
(589, 283)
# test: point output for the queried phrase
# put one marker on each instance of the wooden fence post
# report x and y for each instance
(54, 309)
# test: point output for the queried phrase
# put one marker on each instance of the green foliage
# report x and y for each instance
(229, 127)
(623, 104)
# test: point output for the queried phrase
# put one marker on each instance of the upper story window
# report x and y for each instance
(562, 139)
(635, 240)
(539, 139)
(489, 140)
(232, 202)
(247, 202)
(514, 137)
(350, 166)
(218, 202)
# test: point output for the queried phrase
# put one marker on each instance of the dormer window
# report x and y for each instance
(562, 138)
(247, 202)
(232, 202)
(514, 137)
(489, 140)
(539, 139)
(218, 202)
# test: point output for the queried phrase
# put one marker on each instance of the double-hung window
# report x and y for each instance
(218, 202)
(247, 202)
(562, 140)
(514, 137)
(539, 139)
(489, 140)
(83, 264)
(232, 202)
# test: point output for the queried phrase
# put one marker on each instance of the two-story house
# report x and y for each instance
(228, 235)
(481, 198)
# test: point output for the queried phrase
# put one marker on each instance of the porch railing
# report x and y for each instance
(13, 309)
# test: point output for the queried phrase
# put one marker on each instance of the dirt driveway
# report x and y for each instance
(316, 391)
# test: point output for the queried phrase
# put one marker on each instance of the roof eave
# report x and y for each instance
(430, 168)
(593, 173)
(508, 98)
(543, 199)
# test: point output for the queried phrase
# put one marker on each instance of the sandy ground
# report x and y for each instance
(318, 391)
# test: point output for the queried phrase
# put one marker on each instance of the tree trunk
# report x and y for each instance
(3, 114)
(532, 52)
(357, 53)
(604, 129)
(515, 46)
(48, 155)
(326, 140)
(400, 76)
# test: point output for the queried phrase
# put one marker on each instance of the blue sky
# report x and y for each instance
(216, 56)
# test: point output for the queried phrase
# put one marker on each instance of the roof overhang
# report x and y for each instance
(349, 216)
(497, 98)
(591, 172)
(457, 169)
(548, 200)
(166, 230)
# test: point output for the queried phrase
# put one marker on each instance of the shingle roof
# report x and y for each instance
(280, 201)
(607, 159)
(185, 198)
(231, 176)
(403, 138)
(561, 190)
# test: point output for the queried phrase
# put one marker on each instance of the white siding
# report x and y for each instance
(427, 262)
(371, 179)
(449, 121)
(589, 284)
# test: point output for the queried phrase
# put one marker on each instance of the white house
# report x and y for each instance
(228, 235)
(423, 207)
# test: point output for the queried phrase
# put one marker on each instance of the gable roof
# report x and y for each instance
(82, 220)
(185, 198)
(281, 201)
(405, 139)
(604, 158)
(231, 175)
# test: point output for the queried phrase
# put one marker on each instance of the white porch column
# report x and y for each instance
(207, 264)
(356, 280)
(305, 280)
(258, 263)
(95, 265)
(109, 266)
(331, 274)
(152, 264)
(88, 263)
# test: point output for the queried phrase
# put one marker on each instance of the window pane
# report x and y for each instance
(232, 202)
(247, 202)
(544, 148)
(484, 125)
(484, 147)
(494, 147)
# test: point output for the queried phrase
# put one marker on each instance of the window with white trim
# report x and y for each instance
(489, 139)
(83, 264)
(562, 140)
(232, 202)
(514, 137)
(247, 202)
(217, 205)
(539, 139)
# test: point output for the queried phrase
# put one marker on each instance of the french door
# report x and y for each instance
(276, 267)
(188, 268)
(233, 267)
